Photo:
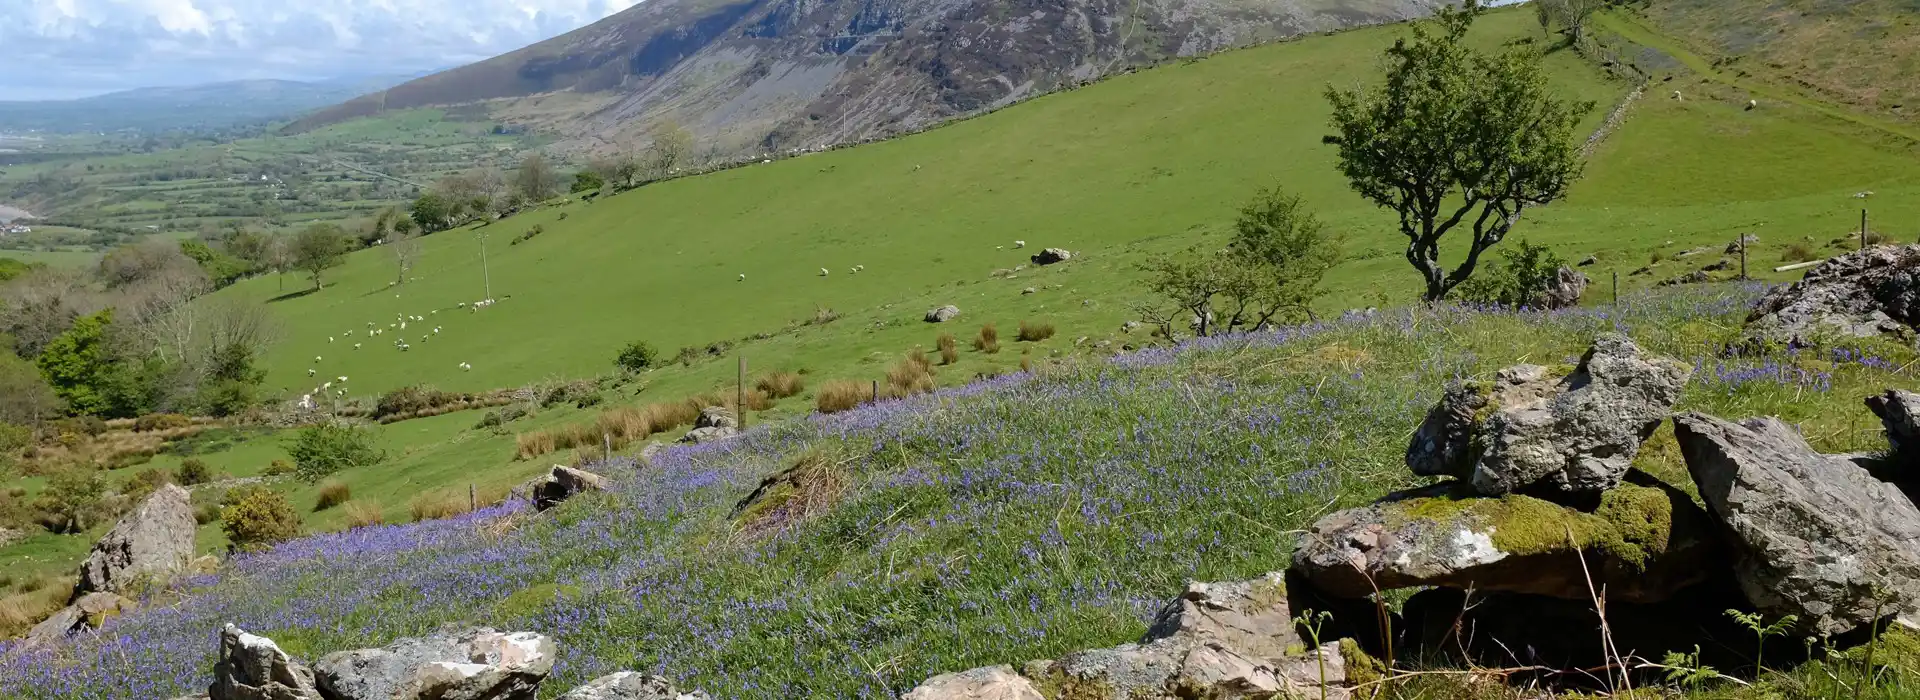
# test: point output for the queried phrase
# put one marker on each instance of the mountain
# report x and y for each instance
(209, 106)
(761, 74)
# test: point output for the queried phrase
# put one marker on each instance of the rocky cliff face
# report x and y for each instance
(777, 74)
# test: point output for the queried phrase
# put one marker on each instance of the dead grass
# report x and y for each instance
(436, 505)
(841, 395)
(626, 424)
(364, 514)
(780, 385)
(913, 375)
(332, 493)
(949, 349)
(1034, 331)
(1799, 252)
(36, 601)
(809, 487)
(988, 341)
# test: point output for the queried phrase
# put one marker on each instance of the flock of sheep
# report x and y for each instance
(399, 324)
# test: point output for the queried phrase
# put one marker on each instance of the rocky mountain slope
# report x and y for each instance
(774, 74)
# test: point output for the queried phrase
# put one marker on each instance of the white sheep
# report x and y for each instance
(823, 272)
(316, 358)
(1019, 244)
(311, 371)
(436, 330)
(326, 386)
(340, 392)
(743, 277)
(859, 268)
(343, 379)
(403, 325)
(356, 346)
(464, 367)
(463, 305)
(1753, 104)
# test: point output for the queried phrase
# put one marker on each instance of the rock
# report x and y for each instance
(716, 417)
(1746, 241)
(1899, 413)
(564, 483)
(1050, 256)
(9, 536)
(989, 683)
(1814, 536)
(943, 314)
(1569, 431)
(627, 685)
(653, 448)
(1028, 290)
(252, 667)
(1694, 277)
(90, 611)
(1217, 640)
(152, 542)
(1562, 292)
(1644, 542)
(1129, 326)
(1861, 294)
(1641, 271)
(1588, 261)
(480, 664)
(1507, 629)
(701, 436)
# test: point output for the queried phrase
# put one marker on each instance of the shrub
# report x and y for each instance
(89, 426)
(332, 493)
(1875, 238)
(841, 395)
(192, 471)
(160, 421)
(414, 399)
(949, 348)
(226, 397)
(1034, 332)
(638, 356)
(1526, 270)
(319, 451)
(988, 341)
(437, 505)
(364, 514)
(256, 517)
(781, 385)
(144, 483)
(1799, 252)
(278, 467)
(688, 355)
(206, 513)
(528, 236)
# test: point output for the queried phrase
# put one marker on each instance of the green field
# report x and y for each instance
(1118, 172)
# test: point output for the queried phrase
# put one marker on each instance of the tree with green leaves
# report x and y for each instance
(433, 211)
(1269, 273)
(318, 248)
(1455, 138)
(536, 180)
(587, 181)
(79, 364)
(668, 146)
(1571, 15)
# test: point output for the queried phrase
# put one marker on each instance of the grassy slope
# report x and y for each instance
(1119, 171)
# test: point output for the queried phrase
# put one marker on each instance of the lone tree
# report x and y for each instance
(668, 146)
(1269, 273)
(536, 180)
(1455, 136)
(318, 248)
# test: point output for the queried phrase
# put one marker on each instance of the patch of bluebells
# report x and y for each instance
(1016, 518)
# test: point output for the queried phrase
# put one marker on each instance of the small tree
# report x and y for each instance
(536, 179)
(587, 181)
(406, 251)
(1571, 15)
(433, 212)
(1269, 273)
(319, 248)
(668, 147)
(72, 500)
(79, 365)
(319, 451)
(1455, 137)
(256, 517)
(637, 356)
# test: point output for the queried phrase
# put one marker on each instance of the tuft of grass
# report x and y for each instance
(913, 375)
(949, 349)
(364, 514)
(780, 385)
(988, 341)
(1034, 331)
(437, 505)
(332, 493)
(841, 395)
(1799, 252)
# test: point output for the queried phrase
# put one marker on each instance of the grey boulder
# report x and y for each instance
(476, 664)
(1816, 536)
(90, 611)
(701, 436)
(1862, 294)
(1563, 291)
(989, 683)
(943, 314)
(627, 685)
(1570, 431)
(1050, 256)
(152, 542)
(1899, 413)
(716, 417)
(564, 483)
(252, 667)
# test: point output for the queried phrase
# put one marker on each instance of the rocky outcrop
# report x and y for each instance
(627, 685)
(1563, 291)
(252, 667)
(152, 542)
(1644, 543)
(716, 417)
(1815, 536)
(1872, 292)
(943, 314)
(1217, 640)
(90, 611)
(479, 663)
(1899, 413)
(1050, 256)
(1573, 430)
(564, 483)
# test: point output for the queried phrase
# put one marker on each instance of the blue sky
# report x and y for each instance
(56, 49)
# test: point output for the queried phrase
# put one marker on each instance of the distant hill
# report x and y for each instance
(210, 106)
(764, 74)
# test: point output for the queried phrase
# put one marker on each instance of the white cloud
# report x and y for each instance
(77, 46)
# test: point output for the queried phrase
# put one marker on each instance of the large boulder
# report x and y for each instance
(252, 667)
(1815, 536)
(1217, 640)
(1899, 413)
(90, 611)
(627, 685)
(716, 417)
(564, 483)
(475, 664)
(1571, 430)
(153, 541)
(1872, 292)
(1643, 543)
(1563, 291)
(943, 314)
(1050, 256)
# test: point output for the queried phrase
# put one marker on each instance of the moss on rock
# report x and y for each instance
(1633, 523)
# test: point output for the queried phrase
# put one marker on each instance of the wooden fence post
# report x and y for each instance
(740, 392)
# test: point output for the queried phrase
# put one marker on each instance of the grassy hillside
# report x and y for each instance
(1118, 172)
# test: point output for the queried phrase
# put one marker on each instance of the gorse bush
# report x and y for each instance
(160, 421)
(319, 451)
(1035, 331)
(278, 467)
(192, 471)
(332, 493)
(638, 356)
(256, 517)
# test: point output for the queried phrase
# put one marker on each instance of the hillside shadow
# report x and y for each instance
(290, 296)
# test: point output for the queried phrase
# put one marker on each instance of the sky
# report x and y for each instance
(61, 49)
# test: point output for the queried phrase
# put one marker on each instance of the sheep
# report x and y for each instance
(329, 339)
(403, 325)
(436, 330)
(823, 272)
(311, 371)
(356, 346)
(1676, 95)
(859, 268)
(316, 358)
(1019, 244)
(340, 392)
(326, 386)
(743, 277)
(343, 379)
(1753, 105)
(463, 305)
(464, 367)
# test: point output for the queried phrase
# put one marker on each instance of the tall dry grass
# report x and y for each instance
(332, 493)
(988, 341)
(435, 505)
(364, 514)
(949, 349)
(780, 385)
(913, 375)
(1034, 331)
(624, 425)
(841, 395)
